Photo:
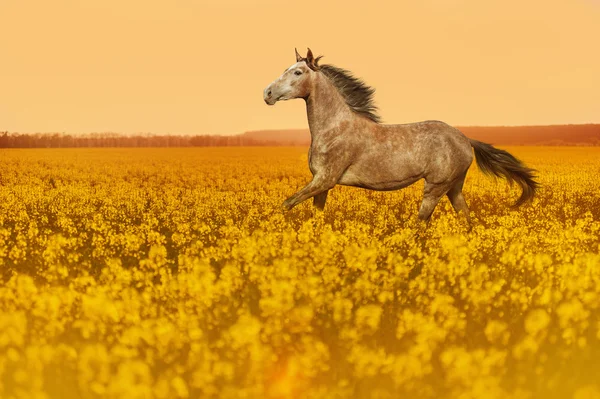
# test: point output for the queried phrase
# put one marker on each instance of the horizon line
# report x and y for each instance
(273, 130)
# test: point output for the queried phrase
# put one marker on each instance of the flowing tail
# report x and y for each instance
(495, 162)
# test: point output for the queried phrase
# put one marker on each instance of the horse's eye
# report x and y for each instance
(298, 73)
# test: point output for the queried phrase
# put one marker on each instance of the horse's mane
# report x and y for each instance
(358, 95)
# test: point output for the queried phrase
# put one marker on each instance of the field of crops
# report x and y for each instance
(174, 273)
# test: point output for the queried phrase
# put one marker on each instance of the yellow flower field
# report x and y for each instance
(174, 273)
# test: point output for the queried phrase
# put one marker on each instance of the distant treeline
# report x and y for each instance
(572, 135)
(585, 135)
(60, 140)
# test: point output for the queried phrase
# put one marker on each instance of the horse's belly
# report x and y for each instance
(378, 182)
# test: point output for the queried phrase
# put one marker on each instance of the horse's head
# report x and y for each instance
(295, 82)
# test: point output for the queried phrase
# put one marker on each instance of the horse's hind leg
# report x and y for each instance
(457, 200)
(320, 199)
(431, 196)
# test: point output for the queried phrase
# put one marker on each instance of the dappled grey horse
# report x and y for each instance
(349, 145)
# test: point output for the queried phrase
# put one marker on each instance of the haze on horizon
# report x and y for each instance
(198, 67)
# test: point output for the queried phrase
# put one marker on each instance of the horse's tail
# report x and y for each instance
(495, 162)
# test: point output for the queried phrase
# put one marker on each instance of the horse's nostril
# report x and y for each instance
(269, 93)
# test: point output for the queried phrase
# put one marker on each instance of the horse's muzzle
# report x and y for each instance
(268, 96)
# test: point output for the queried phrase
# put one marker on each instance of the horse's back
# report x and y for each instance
(429, 132)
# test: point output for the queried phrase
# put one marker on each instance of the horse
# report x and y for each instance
(351, 147)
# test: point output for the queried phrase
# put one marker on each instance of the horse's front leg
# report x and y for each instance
(317, 186)
(320, 199)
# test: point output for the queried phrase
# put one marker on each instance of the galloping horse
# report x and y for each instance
(349, 145)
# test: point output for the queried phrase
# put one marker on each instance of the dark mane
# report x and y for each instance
(357, 94)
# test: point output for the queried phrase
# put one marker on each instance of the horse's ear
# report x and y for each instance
(309, 57)
(311, 61)
(298, 56)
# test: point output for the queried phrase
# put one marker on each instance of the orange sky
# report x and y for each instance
(199, 66)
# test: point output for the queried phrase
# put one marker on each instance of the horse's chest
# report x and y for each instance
(313, 166)
(317, 160)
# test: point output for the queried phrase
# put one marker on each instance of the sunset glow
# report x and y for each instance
(199, 67)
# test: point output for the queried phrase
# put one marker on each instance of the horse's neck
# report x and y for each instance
(326, 108)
